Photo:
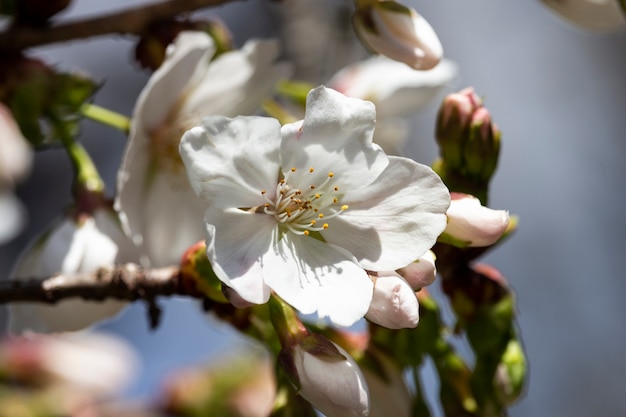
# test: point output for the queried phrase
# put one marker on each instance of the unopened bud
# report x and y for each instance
(394, 304)
(420, 273)
(469, 141)
(326, 376)
(197, 276)
(472, 224)
(398, 32)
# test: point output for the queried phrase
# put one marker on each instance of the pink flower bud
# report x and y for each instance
(471, 224)
(397, 31)
(394, 304)
(420, 273)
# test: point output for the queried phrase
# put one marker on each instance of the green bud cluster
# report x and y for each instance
(469, 144)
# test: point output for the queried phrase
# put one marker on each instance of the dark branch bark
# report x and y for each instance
(133, 21)
(125, 282)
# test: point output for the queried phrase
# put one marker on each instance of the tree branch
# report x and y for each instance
(133, 21)
(127, 282)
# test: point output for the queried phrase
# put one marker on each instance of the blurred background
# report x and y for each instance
(559, 96)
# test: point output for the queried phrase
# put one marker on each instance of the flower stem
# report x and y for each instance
(87, 176)
(288, 326)
(106, 116)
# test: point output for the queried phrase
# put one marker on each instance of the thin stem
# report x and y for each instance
(133, 21)
(87, 176)
(106, 116)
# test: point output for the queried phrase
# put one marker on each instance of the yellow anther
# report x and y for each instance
(282, 181)
(336, 188)
(313, 222)
(335, 200)
(344, 207)
(306, 233)
(331, 174)
(267, 205)
(325, 226)
(318, 195)
(282, 192)
(293, 169)
(321, 215)
(312, 187)
(311, 169)
(288, 213)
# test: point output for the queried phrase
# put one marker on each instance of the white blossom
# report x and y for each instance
(72, 246)
(152, 186)
(306, 209)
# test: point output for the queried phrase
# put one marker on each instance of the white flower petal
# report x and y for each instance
(236, 243)
(166, 84)
(335, 136)
(314, 276)
(237, 82)
(395, 220)
(395, 88)
(231, 161)
(167, 232)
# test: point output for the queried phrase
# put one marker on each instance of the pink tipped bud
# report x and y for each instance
(394, 304)
(471, 224)
(398, 32)
(420, 273)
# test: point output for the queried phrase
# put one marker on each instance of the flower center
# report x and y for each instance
(303, 210)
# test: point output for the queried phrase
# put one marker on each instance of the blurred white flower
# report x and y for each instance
(75, 244)
(152, 185)
(306, 209)
(593, 15)
(389, 395)
(398, 32)
(394, 304)
(15, 163)
(397, 90)
(94, 362)
(472, 224)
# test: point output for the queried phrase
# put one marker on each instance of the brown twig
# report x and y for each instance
(133, 21)
(124, 282)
